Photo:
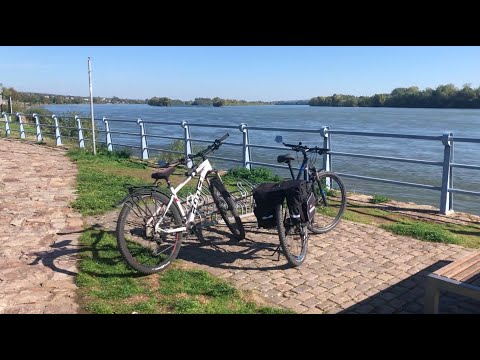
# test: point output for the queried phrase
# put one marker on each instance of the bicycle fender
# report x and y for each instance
(142, 191)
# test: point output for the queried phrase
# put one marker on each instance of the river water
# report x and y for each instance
(434, 122)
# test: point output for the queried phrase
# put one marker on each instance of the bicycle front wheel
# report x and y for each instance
(226, 207)
(331, 201)
(293, 236)
(142, 246)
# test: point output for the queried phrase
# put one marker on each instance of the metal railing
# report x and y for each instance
(245, 159)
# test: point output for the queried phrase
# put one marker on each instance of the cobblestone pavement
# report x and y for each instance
(354, 268)
(38, 230)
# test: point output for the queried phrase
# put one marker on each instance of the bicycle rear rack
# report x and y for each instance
(207, 211)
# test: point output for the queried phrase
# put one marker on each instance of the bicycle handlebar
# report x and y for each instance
(215, 146)
(306, 149)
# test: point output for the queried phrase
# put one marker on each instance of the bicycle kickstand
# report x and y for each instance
(275, 251)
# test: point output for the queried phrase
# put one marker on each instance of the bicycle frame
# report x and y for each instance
(203, 169)
(306, 174)
(303, 169)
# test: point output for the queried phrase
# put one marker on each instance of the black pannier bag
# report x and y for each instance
(267, 196)
(300, 200)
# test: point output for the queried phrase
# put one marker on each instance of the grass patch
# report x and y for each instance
(108, 286)
(101, 179)
(378, 199)
(423, 231)
(464, 235)
(257, 175)
(196, 291)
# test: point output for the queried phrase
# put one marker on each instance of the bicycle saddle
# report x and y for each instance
(163, 173)
(285, 158)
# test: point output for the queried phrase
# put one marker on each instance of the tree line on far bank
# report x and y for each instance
(444, 96)
(216, 102)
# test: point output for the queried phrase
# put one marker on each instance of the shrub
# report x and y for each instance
(257, 175)
(378, 199)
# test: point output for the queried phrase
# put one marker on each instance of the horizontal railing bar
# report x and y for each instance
(476, 193)
(462, 139)
(68, 127)
(391, 135)
(282, 129)
(131, 121)
(165, 137)
(271, 165)
(132, 146)
(215, 126)
(422, 186)
(225, 159)
(70, 137)
(426, 162)
(465, 166)
(269, 147)
(47, 125)
(165, 150)
(124, 133)
(210, 142)
(162, 122)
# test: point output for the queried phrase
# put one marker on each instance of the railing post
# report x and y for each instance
(143, 136)
(22, 130)
(7, 126)
(327, 158)
(37, 128)
(107, 134)
(246, 147)
(450, 185)
(58, 137)
(445, 203)
(81, 141)
(188, 142)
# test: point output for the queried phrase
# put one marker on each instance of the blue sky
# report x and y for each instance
(236, 72)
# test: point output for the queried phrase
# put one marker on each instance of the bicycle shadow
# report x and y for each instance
(221, 250)
(100, 251)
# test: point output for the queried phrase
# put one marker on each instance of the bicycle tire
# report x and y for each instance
(138, 243)
(287, 237)
(224, 203)
(331, 205)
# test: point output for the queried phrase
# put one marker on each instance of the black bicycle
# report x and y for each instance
(327, 187)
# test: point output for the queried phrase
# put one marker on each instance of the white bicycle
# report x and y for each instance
(153, 222)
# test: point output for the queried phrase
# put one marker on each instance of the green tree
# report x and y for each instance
(217, 102)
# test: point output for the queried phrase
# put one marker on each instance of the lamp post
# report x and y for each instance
(91, 105)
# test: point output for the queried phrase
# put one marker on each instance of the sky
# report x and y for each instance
(265, 73)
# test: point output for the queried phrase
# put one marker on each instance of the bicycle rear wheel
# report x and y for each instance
(143, 248)
(331, 201)
(293, 236)
(226, 207)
